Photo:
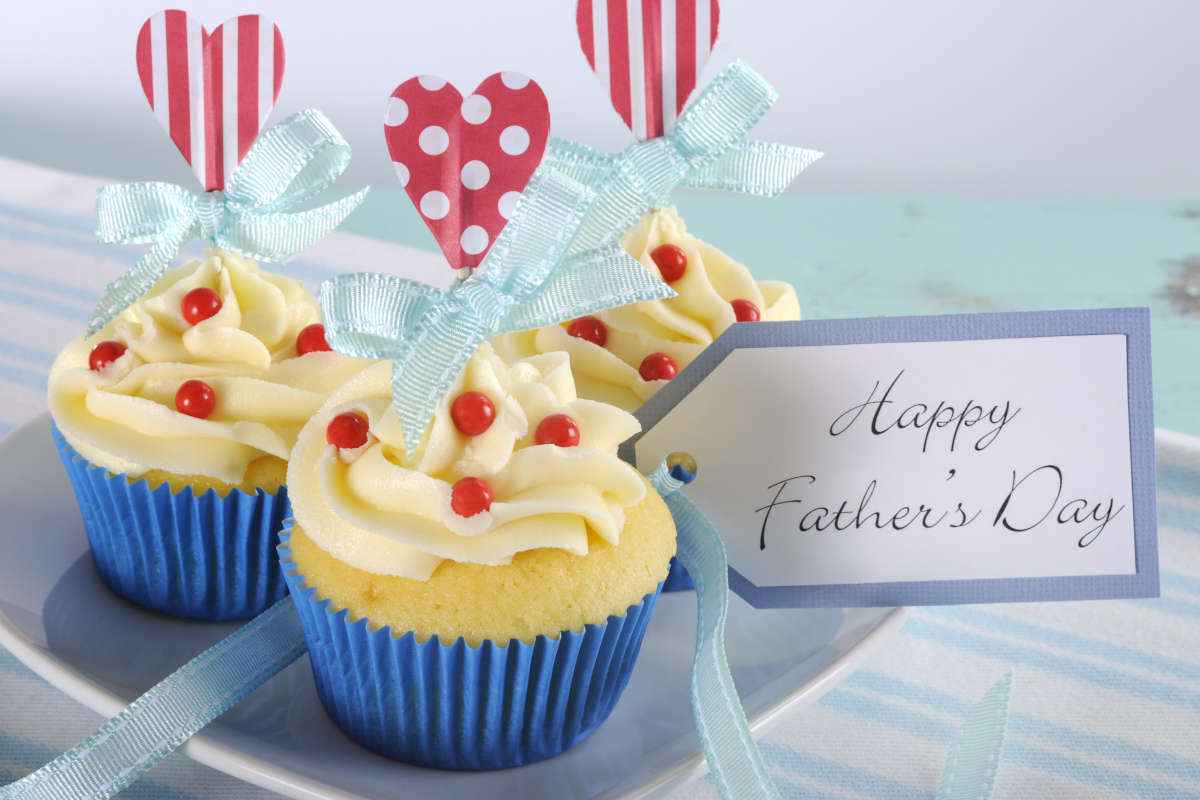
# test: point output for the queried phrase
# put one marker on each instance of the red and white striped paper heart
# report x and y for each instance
(211, 92)
(464, 162)
(648, 54)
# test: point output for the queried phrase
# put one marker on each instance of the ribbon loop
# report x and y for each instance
(723, 114)
(289, 164)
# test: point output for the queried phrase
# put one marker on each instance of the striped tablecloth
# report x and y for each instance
(1106, 701)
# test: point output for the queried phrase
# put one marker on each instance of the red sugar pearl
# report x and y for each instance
(557, 429)
(199, 304)
(196, 399)
(671, 261)
(745, 311)
(347, 430)
(470, 496)
(658, 367)
(104, 354)
(473, 413)
(591, 329)
(311, 340)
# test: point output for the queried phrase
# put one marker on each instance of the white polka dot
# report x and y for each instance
(434, 140)
(397, 112)
(475, 174)
(431, 83)
(514, 80)
(435, 205)
(508, 204)
(514, 140)
(474, 240)
(476, 109)
(401, 172)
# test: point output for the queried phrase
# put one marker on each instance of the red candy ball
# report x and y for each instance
(658, 367)
(745, 311)
(473, 413)
(591, 329)
(104, 354)
(311, 340)
(557, 429)
(347, 430)
(196, 399)
(671, 261)
(199, 304)
(470, 496)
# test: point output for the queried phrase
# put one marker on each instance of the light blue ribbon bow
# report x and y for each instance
(162, 719)
(525, 281)
(733, 759)
(289, 164)
(706, 149)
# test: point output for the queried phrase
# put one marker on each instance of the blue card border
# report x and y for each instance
(1133, 323)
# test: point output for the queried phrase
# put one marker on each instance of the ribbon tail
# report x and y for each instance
(974, 758)
(763, 169)
(424, 372)
(166, 716)
(602, 278)
(279, 235)
(134, 283)
(736, 766)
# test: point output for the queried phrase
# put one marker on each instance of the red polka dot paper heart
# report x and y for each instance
(464, 162)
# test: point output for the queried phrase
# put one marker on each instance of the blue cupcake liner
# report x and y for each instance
(458, 707)
(678, 579)
(201, 557)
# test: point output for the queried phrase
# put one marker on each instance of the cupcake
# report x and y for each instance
(175, 422)
(480, 603)
(622, 356)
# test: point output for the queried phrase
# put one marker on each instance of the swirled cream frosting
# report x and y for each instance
(123, 417)
(382, 512)
(680, 327)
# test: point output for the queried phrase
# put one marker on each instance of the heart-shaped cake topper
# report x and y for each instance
(211, 92)
(464, 162)
(648, 54)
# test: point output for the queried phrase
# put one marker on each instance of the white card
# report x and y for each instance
(918, 460)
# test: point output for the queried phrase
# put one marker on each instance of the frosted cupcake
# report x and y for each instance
(481, 603)
(624, 355)
(175, 422)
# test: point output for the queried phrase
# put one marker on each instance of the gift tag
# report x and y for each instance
(917, 460)
(211, 92)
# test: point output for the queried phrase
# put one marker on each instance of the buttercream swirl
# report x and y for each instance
(381, 512)
(123, 417)
(681, 326)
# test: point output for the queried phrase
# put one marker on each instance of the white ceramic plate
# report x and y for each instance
(60, 620)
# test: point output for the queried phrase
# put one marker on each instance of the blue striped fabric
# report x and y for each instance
(1106, 698)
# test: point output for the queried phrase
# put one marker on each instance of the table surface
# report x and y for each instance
(1105, 702)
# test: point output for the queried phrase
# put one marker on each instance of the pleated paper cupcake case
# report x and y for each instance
(453, 706)
(202, 557)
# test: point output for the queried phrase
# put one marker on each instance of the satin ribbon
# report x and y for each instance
(525, 281)
(162, 719)
(706, 149)
(733, 759)
(289, 164)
